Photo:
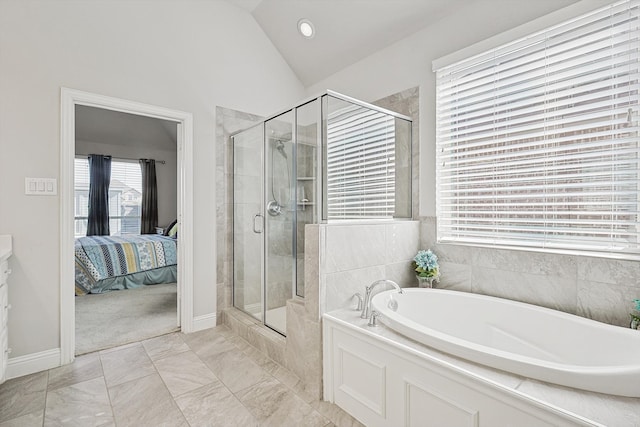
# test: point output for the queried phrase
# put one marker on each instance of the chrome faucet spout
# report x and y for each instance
(366, 310)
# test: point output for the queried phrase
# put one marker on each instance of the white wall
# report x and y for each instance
(184, 55)
(407, 63)
(166, 174)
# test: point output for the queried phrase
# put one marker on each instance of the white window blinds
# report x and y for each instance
(537, 141)
(360, 164)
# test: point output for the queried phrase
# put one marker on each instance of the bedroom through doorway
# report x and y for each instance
(125, 228)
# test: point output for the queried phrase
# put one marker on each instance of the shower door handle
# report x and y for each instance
(258, 226)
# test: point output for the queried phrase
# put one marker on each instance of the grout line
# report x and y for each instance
(279, 367)
(104, 378)
(113, 413)
(46, 397)
(166, 387)
(220, 381)
(167, 355)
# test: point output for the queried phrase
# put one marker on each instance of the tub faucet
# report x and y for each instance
(366, 310)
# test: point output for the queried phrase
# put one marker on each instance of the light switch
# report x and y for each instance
(41, 186)
(52, 186)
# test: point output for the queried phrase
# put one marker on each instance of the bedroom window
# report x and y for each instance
(125, 197)
(538, 140)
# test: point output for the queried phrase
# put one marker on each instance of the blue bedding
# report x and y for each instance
(138, 260)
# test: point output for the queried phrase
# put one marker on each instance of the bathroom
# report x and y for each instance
(252, 83)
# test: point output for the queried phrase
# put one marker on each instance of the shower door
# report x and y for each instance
(248, 221)
(264, 214)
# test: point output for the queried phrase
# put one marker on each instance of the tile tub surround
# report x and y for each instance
(600, 408)
(597, 288)
(353, 256)
(185, 380)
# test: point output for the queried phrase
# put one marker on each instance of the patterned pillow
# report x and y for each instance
(173, 231)
(170, 227)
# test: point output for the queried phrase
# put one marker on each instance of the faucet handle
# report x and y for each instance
(373, 318)
(360, 300)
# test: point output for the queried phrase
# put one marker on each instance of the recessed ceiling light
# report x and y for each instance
(306, 28)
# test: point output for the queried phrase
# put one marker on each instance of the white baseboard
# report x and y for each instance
(32, 363)
(204, 322)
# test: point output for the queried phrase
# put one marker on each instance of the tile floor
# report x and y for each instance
(208, 378)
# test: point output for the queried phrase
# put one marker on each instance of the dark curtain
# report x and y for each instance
(149, 220)
(99, 178)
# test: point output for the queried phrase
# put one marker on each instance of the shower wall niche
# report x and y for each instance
(329, 159)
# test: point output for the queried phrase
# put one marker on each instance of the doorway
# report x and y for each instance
(70, 99)
(134, 295)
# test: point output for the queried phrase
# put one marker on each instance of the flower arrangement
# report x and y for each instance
(635, 318)
(425, 264)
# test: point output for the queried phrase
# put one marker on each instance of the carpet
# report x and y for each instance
(121, 317)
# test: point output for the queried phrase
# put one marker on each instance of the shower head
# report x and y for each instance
(280, 148)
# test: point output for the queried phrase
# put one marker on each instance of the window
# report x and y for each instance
(125, 197)
(537, 141)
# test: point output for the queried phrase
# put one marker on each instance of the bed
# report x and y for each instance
(106, 263)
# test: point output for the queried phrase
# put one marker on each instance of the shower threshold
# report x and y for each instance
(276, 318)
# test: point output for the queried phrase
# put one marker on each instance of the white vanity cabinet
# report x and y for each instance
(5, 253)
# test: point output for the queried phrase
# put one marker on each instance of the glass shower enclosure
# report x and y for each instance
(332, 158)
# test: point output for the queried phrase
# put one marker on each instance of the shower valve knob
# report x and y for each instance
(274, 208)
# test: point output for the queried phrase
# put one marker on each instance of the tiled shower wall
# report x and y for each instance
(407, 103)
(597, 288)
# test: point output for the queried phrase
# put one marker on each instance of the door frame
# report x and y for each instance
(69, 98)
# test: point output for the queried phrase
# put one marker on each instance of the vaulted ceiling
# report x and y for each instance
(348, 31)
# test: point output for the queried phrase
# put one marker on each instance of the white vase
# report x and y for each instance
(426, 282)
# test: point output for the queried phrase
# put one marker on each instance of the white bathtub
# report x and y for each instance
(525, 339)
